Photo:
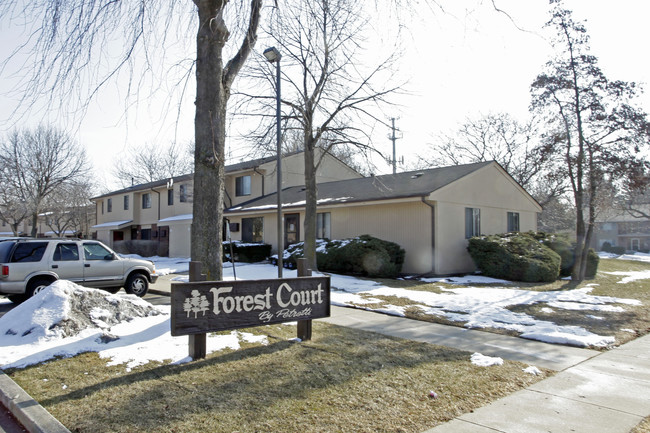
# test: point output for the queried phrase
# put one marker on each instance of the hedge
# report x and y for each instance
(530, 257)
(364, 255)
(514, 257)
(247, 252)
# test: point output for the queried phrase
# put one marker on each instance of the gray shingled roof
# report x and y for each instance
(391, 186)
(245, 165)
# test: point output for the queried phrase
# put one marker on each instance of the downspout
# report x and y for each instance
(433, 231)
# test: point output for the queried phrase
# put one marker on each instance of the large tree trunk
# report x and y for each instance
(311, 205)
(210, 137)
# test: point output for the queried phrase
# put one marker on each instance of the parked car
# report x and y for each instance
(29, 265)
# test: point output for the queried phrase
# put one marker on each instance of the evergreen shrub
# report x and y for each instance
(364, 255)
(515, 256)
(247, 252)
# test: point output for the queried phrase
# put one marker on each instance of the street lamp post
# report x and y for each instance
(273, 55)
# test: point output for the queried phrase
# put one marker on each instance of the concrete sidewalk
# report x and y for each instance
(594, 392)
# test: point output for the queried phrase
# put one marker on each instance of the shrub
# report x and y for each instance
(607, 247)
(247, 252)
(365, 255)
(617, 250)
(562, 246)
(143, 248)
(515, 256)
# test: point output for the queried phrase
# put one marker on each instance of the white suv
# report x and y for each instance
(29, 265)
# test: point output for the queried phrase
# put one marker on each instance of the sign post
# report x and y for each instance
(304, 326)
(197, 343)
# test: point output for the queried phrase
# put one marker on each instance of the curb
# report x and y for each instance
(27, 411)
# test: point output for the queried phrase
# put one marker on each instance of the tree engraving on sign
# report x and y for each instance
(196, 304)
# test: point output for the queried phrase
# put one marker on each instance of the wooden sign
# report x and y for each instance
(201, 307)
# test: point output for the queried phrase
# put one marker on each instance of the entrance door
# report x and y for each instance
(291, 229)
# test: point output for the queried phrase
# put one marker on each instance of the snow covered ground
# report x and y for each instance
(55, 323)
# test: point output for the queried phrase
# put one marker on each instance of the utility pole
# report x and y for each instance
(393, 137)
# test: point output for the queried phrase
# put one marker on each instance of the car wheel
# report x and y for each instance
(17, 299)
(36, 286)
(137, 284)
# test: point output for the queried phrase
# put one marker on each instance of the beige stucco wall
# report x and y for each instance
(495, 194)
(179, 238)
(406, 223)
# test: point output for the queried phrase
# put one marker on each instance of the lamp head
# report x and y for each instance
(272, 54)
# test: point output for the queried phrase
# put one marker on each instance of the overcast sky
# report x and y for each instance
(465, 62)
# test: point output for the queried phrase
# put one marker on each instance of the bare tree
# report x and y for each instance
(594, 128)
(513, 144)
(38, 162)
(14, 209)
(330, 99)
(76, 47)
(150, 163)
(67, 209)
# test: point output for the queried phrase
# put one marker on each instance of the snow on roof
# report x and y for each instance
(187, 216)
(115, 224)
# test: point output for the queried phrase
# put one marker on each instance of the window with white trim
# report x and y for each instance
(513, 222)
(242, 186)
(323, 225)
(472, 222)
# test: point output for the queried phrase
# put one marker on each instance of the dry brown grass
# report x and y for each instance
(643, 427)
(625, 326)
(342, 381)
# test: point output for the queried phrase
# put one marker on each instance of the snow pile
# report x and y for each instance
(66, 310)
(66, 319)
(532, 370)
(485, 361)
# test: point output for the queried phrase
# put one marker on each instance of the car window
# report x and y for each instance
(66, 253)
(95, 252)
(28, 252)
(5, 250)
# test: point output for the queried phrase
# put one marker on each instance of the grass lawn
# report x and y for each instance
(342, 381)
(625, 326)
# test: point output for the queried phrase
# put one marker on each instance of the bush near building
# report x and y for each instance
(528, 257)
(364, 255)
(561, 244)
(246, 252)
(514, 256)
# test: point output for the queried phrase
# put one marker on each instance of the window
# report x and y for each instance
(170, 197)
(145, 234)
(66, 253)
(126, 202)
(109, 205)
(29, 252)
(96, 252)
(242, 186)
(252, 229)
(102, 207)
(146, 201)
(472, 222)
(513, 221)
(323, 225)
(183, 193)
